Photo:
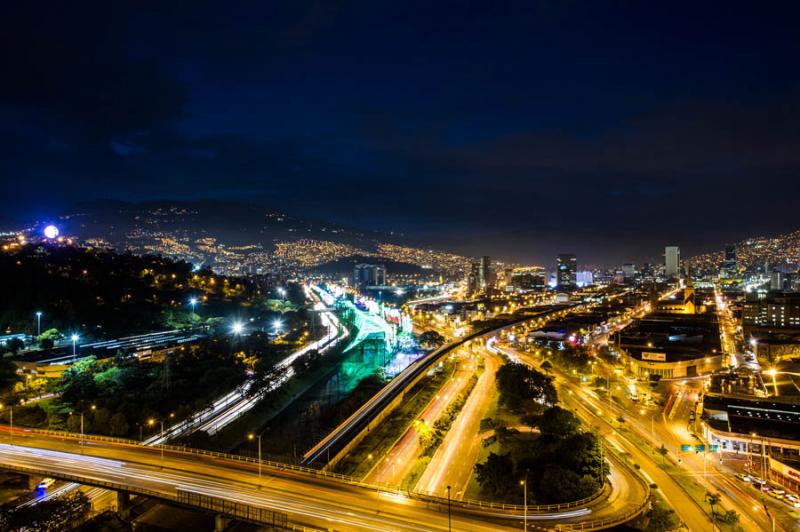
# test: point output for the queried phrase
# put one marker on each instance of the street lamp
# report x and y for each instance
(237, 327)
(772, 372)
(38, 323)
(250, 437)
(449, 519)
(277, 325)
(524, 484)
(152, 422)
(93, 409)
(74, 339)
(282, 292)
(192, 303)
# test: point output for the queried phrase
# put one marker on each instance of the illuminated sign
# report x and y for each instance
(658, 357)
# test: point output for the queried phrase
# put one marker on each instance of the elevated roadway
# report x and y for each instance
(343, 437)
(306, 497)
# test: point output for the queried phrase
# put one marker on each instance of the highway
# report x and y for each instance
(453, 462)
(309, 500)
(352, 426)
(653, 426)
(232, 405)
(590, 409)
(713, 470)
(392, 468)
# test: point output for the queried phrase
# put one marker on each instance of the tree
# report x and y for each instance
(74, 423)
(8, 375)
(560, 485)
(520, 385)
(660, 518)
(730, 517)
(496, 474)
(118, 425)
(102, 420)
(663, 452)
(713, 500)
(431, 340)
(555, 421)
(14, 345)
(50, 334)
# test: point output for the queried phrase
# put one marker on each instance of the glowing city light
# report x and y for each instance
(237, 327)
(51, 231)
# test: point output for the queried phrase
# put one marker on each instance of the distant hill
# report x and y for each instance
(236, 223)
(781, 252)
(234, 237)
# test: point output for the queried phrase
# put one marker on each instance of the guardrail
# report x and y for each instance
(468, 504)
(78, 479)
(237, 510)
(604, 523)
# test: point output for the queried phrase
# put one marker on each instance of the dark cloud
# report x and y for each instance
(511, 128)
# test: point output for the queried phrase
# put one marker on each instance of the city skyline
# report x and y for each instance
(515, 130)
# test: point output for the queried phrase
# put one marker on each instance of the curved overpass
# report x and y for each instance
(347, 432)
(304, 497)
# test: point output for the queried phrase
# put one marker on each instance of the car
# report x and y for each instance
(775, 495)
(743, 477)
(46, 483)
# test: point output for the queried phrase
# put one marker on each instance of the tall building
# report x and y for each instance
(525, 279)
(365, 275)
(729, 268)
(566, 271)
(485, 278)
(628, 270)
(672, 262)
(473, 276)
(776, 281)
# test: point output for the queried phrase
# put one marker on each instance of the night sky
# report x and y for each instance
(514, 129)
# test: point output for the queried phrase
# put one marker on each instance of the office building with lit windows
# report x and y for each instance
(567, 271)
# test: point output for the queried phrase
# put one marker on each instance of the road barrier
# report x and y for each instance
(605, 523)
(280, 467)
(237, 510)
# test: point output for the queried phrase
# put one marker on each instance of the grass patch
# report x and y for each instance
(411, 479)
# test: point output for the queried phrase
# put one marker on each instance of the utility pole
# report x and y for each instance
(449, 521)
